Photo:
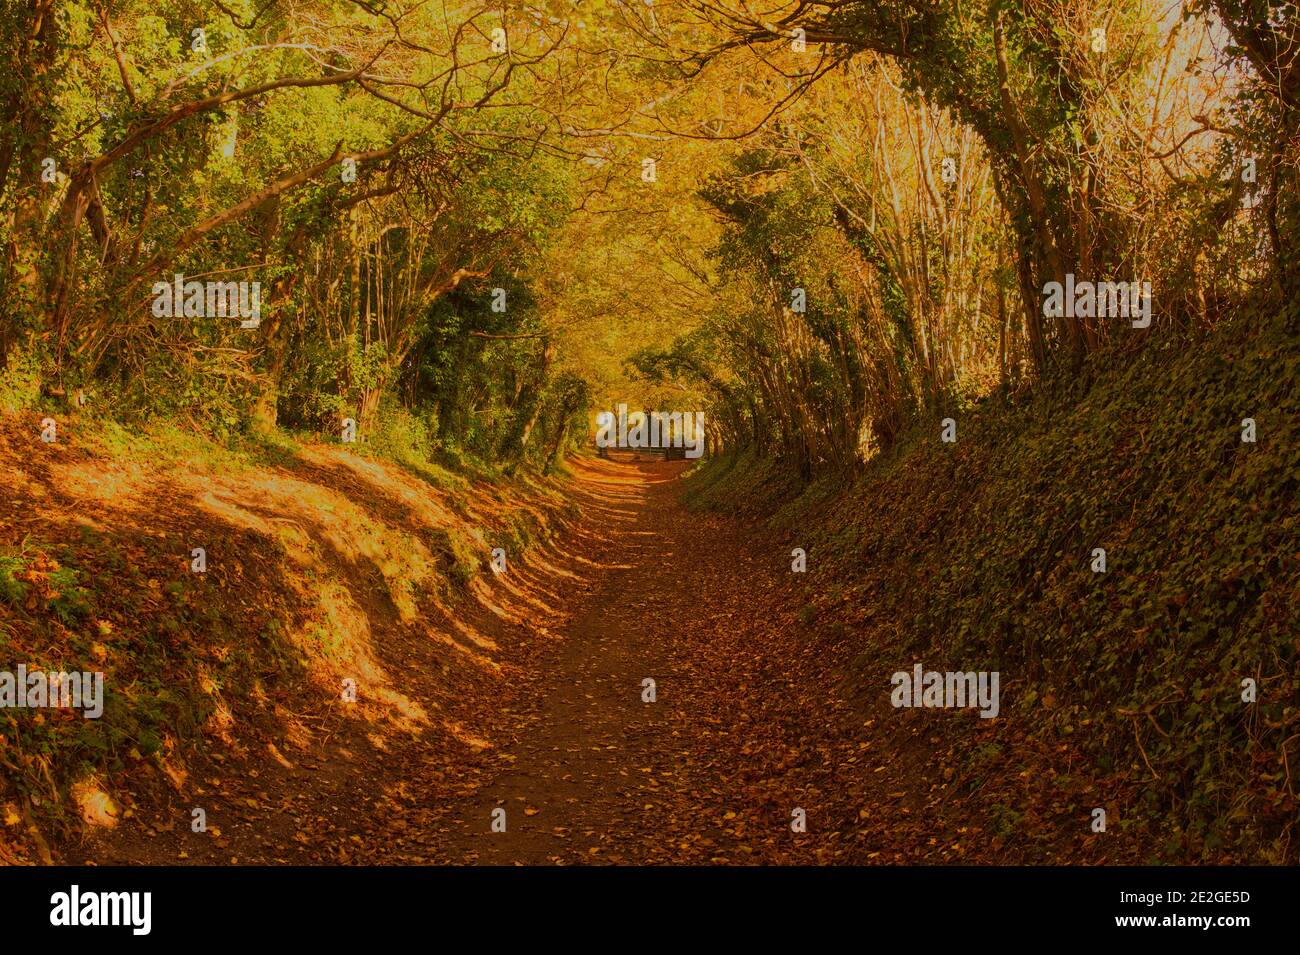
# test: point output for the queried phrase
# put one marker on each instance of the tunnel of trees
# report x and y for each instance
(476, 224)
(236, 235)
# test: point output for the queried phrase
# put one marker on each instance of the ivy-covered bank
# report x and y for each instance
(1132, 684)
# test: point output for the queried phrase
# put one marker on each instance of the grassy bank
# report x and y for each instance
(322, 559)
(1121, 689)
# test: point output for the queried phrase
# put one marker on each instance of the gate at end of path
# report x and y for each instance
(641, 454)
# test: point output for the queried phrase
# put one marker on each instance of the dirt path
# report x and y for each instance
(595, 753)
(708, 771)
(747, 731)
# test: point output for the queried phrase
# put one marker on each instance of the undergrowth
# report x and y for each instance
(980, 555)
